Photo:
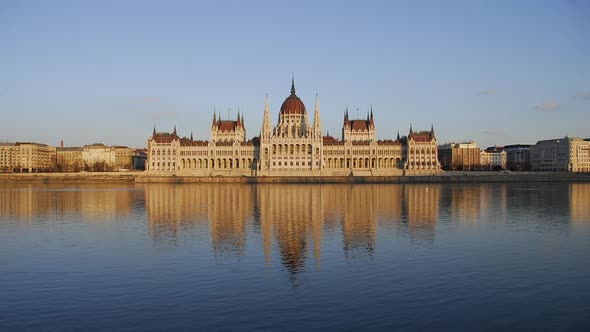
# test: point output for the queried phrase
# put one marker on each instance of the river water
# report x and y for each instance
(295, 257)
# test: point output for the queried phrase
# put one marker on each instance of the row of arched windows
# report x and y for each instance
(219, 163)
(158, 152)
(363, 163)
(289, 149)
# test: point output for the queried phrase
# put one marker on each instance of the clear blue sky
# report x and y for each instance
(498, 72)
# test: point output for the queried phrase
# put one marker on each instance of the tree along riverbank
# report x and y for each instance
(142, 177)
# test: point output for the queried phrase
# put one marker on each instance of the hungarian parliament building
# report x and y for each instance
(293, 147)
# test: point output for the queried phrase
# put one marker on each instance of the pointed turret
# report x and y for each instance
(191, 135)
(242, 122)
(346, 119)
(154, 134)
(411, 131)
(371, 120)
(266, 130)
(398, 135)
(239, 124)
(214, 119)
(174, 132)
(432, 131)
(317, 123)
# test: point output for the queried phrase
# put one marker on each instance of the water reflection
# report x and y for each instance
(91, 203)
(579, 202)
(291, 223)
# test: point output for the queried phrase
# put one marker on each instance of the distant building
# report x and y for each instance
(98, 157)
(9, 157)
(421, 150)
(69, 159)
(493, 158)
(295, 146)
(27, 157)
(139, 160)
(123, 158)
(568, 154)
(518, 157)
(459, 156)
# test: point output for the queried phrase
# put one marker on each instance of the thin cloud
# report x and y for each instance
(546, 107)
(151, 100)
(493, 132)
(582, 96)
(163, 115)
(489, 92)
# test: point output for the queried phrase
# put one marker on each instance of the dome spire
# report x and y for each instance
(292, 84)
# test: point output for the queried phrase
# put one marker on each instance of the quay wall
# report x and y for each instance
(141, 177)
(81, 177)
(445, 178)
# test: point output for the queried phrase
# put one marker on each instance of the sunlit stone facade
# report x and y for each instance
(568, 154)
(295, 146)
(493, 158)
(27, 157)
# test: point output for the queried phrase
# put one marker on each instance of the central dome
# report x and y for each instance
(293, 105)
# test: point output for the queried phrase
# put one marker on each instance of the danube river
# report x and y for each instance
(276, 257)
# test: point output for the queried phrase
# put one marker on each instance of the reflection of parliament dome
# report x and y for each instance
(293, 105)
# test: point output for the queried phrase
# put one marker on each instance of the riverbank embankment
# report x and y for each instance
(142, 177)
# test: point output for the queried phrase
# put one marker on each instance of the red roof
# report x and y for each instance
(359, 125)
(388, 142)
(422, 136)
(164, 137)
(293, 105)
(188, 142)
(227, 125)
(329, 140)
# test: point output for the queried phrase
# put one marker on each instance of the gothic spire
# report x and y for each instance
(317, 124)
(346, 119)
(154, 130)
(191, 135)
(266, 121)
(292, 84)
(214, 119)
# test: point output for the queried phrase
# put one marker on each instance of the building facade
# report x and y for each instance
(459, 156)
(9, 157)
(27, 157)
(294, 146)
(69, 159)
(123, 158)
(493, 158)
(568, 154)
(518, 157)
